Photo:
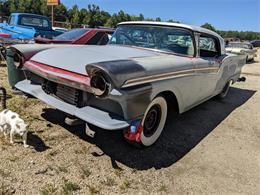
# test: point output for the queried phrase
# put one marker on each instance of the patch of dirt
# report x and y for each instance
(211, 149)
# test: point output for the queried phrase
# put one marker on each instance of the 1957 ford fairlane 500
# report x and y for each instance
(146, 69)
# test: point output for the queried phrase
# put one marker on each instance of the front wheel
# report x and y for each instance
(154, 121)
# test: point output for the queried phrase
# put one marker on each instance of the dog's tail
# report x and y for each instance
(4, 97)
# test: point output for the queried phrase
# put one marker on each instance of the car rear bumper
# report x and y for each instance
(89, 114)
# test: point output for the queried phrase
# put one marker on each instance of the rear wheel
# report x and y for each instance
(225, 90)
(154, 121)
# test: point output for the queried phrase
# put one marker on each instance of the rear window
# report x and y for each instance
(35, 22)
(71, 35)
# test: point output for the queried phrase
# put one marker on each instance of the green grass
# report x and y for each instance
(109, 182)
(69, 187)
(62, 169)
(48, 189)
(163, 188)
(12, 158)
(125, 185)
(93, 189)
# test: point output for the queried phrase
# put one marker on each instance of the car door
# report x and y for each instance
(10, 27)
(207, 64)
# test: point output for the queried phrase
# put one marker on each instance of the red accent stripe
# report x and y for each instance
(63, 74)
(5, 35)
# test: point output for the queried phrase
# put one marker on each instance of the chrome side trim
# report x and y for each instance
(168, 75)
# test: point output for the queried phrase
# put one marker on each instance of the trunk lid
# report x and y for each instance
(75, 58)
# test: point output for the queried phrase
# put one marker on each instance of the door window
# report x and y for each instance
(208, 46)
(12, 21)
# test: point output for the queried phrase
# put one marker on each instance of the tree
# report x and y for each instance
(173, 21)
(73, 15)
(121, 16)
(93, 16)
(209, 26)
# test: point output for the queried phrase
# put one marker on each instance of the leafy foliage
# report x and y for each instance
(93, 16)
(247, 35)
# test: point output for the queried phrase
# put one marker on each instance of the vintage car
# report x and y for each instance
(242, 48)
(146, 70)
(81, 36)
(255, 43)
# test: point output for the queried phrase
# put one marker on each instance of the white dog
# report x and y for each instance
(10, 122)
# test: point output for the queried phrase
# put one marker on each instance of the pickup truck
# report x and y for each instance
(27, 26)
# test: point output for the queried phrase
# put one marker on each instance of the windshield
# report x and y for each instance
(71, 35)
(240, 45)
(167, 39)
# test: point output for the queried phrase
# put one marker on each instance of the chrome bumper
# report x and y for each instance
(89, 114)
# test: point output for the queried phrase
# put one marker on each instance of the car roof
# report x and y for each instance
(172, 24)
(29, 14)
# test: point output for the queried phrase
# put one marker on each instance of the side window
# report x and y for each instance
(12, 21)
(179, 42)
(208, 46)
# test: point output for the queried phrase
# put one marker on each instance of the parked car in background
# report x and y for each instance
(59, 29)
(242, 48)
(28, 26)
(80, 36)
(255, 43)
(147, 69)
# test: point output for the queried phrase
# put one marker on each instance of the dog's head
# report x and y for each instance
(21, 127)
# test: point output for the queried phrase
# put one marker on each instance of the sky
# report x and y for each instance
(241, 15)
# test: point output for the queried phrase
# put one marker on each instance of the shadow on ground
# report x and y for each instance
(36, 142)
(182, 133)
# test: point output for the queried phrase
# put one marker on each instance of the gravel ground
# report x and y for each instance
(211, 149)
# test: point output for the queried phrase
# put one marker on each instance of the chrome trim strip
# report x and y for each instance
(169, 75)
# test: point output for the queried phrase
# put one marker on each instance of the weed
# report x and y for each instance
(51, 154)
(93, 189)
(48, 189)
(118, 172)
(12, 158)
(125, 185)
(62, 169)
(163, 188)
(69, 187)
(109, 182)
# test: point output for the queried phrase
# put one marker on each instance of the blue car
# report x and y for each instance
(28, 26)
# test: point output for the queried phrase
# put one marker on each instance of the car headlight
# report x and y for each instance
(100, 84)
(18, 60)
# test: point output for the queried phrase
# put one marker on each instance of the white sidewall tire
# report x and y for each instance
(148, 141)
(225, 91)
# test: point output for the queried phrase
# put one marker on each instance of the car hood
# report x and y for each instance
(75, 58)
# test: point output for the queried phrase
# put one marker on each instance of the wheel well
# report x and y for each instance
(171, 100)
